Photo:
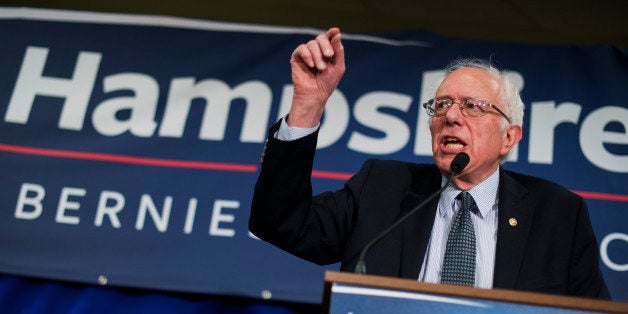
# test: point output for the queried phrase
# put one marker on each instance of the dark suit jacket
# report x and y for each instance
(550, 249)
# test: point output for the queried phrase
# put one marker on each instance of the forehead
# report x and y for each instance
(469, 83)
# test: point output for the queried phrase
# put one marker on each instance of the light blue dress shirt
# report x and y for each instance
(484, 224)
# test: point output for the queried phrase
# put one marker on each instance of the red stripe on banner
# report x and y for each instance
(145, 161)
(331, 175)
(603, 196)
(128, 159)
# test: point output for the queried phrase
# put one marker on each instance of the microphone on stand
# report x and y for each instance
(457, 165)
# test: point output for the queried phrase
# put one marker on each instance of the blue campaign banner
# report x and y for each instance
(129, 145)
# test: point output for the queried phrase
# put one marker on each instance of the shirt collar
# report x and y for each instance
(484, 194)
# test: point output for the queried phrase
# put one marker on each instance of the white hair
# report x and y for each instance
(509, 94)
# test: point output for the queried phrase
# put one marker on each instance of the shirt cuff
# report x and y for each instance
(289, 133)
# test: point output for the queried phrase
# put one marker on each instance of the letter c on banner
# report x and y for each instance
(604, 254)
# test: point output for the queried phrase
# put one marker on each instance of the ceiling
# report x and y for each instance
(580, 22)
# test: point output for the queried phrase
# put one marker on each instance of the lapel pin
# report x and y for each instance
(512, 222)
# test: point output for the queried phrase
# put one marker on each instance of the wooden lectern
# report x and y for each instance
(358, 294)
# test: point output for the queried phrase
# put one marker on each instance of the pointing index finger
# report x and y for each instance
(331, 35)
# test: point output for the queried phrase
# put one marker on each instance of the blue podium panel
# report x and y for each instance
(354, 299)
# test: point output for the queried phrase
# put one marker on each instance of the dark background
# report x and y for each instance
(578, 22)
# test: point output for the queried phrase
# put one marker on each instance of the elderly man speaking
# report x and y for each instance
(489, 228)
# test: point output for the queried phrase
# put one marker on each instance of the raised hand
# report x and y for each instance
(317, 67)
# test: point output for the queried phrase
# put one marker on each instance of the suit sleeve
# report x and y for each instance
(585, 276)
(283, 211)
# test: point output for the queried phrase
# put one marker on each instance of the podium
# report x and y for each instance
(359, 294)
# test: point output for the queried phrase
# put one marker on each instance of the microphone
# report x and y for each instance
(457, 165)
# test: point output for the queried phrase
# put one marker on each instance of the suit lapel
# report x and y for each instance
(418, 228)
(515, 219)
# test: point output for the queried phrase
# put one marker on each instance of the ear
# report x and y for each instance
(512, 136)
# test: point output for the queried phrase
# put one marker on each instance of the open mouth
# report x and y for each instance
(453, 143)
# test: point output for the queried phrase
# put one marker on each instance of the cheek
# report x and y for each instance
(491, 145)
(486, 141)
(434, 135)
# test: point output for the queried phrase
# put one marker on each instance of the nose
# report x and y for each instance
(454, 114)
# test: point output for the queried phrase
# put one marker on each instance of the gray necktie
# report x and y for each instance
(459, 261)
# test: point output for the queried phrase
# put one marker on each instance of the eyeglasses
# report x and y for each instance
(471, 108)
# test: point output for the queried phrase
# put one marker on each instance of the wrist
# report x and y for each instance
(305, 113)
